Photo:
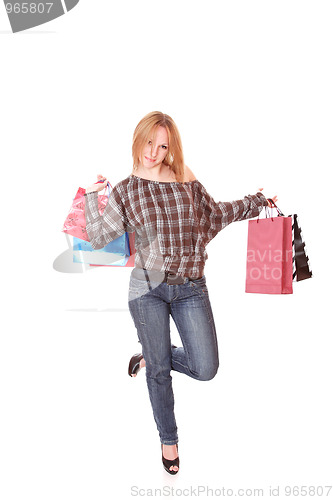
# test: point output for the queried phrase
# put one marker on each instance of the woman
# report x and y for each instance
(174, 218)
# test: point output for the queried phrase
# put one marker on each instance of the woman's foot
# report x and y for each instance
(141, 365)
(170, 452)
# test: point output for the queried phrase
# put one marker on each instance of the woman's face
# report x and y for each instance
(153, 154)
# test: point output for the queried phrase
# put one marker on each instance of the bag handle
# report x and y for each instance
(107, 186)
(280, 214)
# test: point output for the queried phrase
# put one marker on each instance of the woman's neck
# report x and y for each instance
(163, 174)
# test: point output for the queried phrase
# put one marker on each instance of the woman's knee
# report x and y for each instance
(208, 372)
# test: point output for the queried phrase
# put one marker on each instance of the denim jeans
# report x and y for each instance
(150, 305)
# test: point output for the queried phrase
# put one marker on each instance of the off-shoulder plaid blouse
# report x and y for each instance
(173, 222)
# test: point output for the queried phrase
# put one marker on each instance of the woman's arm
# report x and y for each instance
(101, 229)
(214, 216)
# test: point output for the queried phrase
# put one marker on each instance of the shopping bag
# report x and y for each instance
(276, 255)
(75, 223)
(115, 253)
(269, 256)
(301, 263)
(119, 252)
(130, 262)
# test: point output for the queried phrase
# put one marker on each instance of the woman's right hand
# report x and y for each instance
(98, 186)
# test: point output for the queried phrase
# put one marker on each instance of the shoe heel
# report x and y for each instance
(134, 364)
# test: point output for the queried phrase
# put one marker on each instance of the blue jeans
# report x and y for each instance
(150, 306)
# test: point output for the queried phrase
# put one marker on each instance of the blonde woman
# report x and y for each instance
(174, 218)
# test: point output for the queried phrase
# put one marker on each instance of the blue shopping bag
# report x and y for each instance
(115, 253)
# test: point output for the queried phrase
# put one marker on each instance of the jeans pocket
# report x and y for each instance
(200, 285)
(137, 288)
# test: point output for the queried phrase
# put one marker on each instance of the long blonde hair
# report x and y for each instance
(146, 129)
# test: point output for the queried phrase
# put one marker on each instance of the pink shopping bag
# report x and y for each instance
(269, 265)
(75, 223)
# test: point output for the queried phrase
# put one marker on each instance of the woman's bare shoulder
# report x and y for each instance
(188, 174)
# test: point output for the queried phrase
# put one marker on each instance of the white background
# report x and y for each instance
(249, 84)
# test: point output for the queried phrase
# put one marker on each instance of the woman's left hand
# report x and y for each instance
(274, 198)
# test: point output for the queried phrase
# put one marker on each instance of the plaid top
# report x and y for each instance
(173, 222)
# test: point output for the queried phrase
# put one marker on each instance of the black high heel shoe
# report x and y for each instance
(134, 364)
(168, 463)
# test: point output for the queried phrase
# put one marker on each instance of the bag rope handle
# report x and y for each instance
(108, 185)
(280, 214)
